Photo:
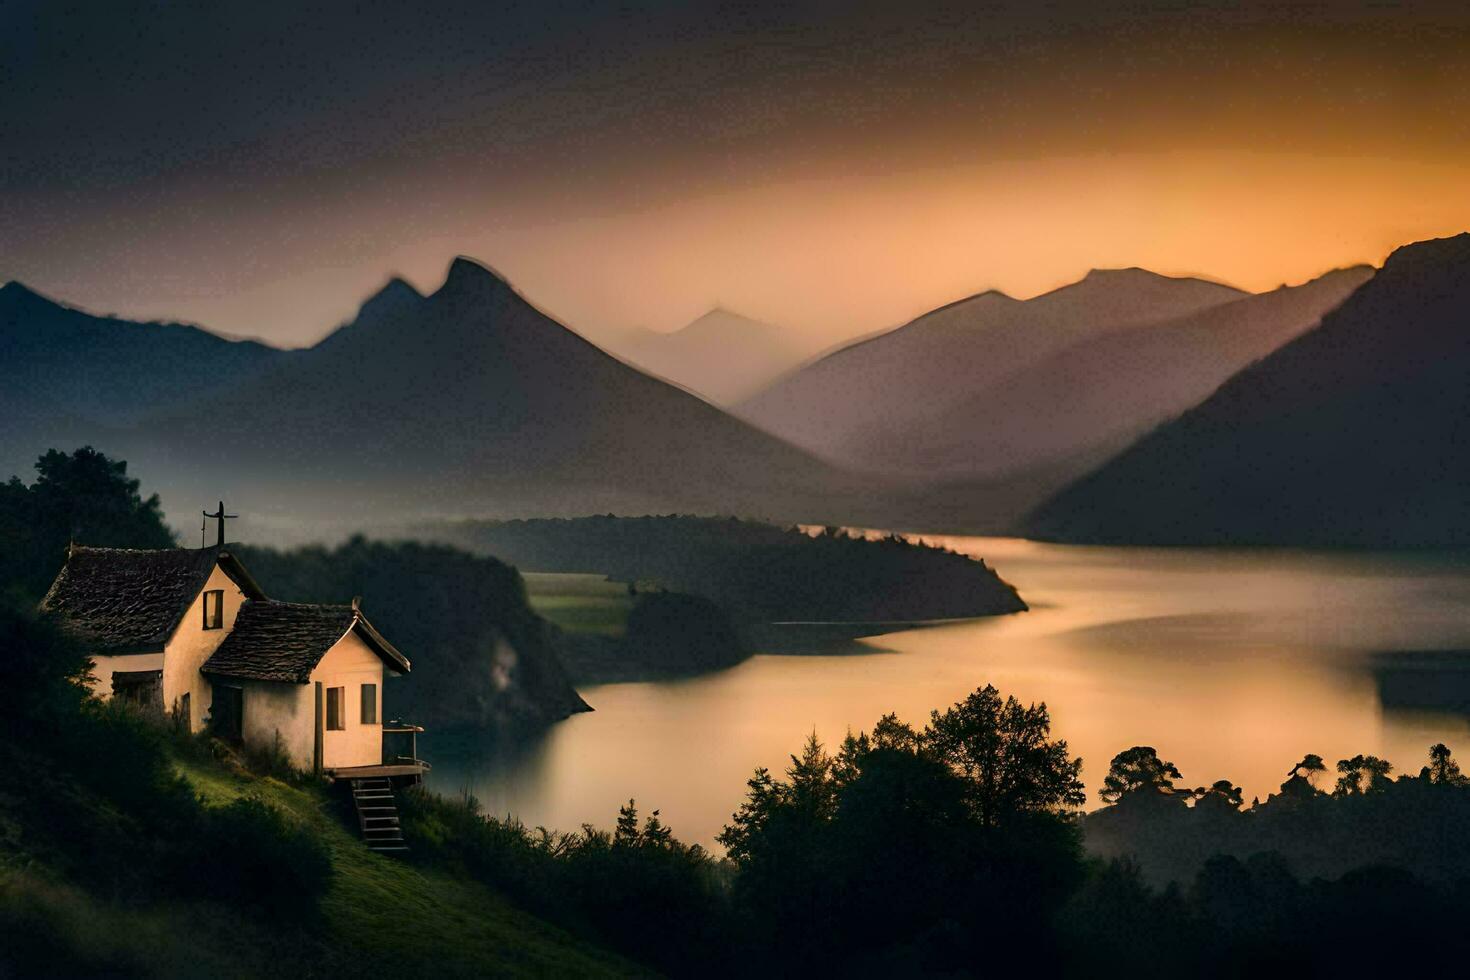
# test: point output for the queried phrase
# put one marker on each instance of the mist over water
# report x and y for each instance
(1232, 663)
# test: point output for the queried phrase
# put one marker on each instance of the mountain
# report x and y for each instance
(66, 374)
(1089, 400)
(1355, 433)
(108, 369)
(472, 401)
(862, 404)
(722, 355)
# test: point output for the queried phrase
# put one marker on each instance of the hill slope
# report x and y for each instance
(862, 404)
(722, 355)
(1353, 434)
(1105, 391)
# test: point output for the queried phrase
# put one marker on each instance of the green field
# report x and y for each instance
(580, 603)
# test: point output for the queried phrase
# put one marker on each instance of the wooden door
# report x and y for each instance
(227, 714)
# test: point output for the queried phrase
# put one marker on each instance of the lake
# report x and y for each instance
(1232, 663)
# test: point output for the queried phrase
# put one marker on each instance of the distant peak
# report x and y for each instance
(465, 273)
(396, 294)
(15, 292)
(719, 312)
(1125, 271)
(1454, 249)
(399, 286)
(1137, 275)
(987, 298)
(15, 287)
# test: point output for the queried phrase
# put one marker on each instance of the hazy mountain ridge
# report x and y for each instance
(861, 404)
(1105, 391)
(472, 401)
(1352, 434)
(67, 375)
(722, 356)
(103, 367)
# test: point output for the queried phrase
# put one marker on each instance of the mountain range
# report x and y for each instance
(466, 401)
(866, 405)
(1093, 398)
(1139, 407)
(1355, 433)
(67, 376)
(723, 356)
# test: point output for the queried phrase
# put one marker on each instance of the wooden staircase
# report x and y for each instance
(377, 815)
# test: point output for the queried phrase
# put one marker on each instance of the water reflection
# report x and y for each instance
(1232, 663)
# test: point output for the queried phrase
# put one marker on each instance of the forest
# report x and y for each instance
(759, 572)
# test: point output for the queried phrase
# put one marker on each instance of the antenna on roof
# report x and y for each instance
(220, 516)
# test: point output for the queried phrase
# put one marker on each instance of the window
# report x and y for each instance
(336, 721)
(214, 609)
(369, 704)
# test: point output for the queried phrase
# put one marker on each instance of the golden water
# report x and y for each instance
(1232, 663)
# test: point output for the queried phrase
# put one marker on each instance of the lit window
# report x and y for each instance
(214, 609)
(336, 720)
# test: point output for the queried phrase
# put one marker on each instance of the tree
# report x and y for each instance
(1298, 785)
(1361, 774)
(1003, 751)
(625, 832)
(43, 676)
(1219, 797)
(1139, 773)
(83, 497)
(1442, 769)
(928, 848)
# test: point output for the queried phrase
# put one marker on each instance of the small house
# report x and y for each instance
(190, 633)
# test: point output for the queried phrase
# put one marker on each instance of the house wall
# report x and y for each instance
(269, 707)
(349, 664)
(104, 667)
(191, 645)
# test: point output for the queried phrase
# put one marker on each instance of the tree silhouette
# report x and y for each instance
(1298, 785)
(1002, 750)
(1361, 774)
(1139, 773)
(934, 845)
(84, 497)
(1443, 770)
(1219, 797)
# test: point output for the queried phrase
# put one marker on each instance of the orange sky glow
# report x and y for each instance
(835, 176)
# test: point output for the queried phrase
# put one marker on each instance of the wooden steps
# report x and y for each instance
(377, 815)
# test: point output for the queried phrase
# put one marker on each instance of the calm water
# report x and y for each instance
(1233, 664)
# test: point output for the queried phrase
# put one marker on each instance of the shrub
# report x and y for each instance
(637, 890)
(249, 854)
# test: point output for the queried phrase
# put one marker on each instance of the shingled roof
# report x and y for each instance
(284, 641)
(120, 600)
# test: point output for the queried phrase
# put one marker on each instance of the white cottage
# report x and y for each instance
(190, 632)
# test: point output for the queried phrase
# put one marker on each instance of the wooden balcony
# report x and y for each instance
(400, 757)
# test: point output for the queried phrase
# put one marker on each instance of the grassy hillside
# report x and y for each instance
(380, 915)
(580, 602)
(128, 848)
(384, 915)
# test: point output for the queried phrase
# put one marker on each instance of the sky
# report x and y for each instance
(835, 168)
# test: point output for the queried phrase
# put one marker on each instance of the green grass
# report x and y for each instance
(580, 603)
(385, 916)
